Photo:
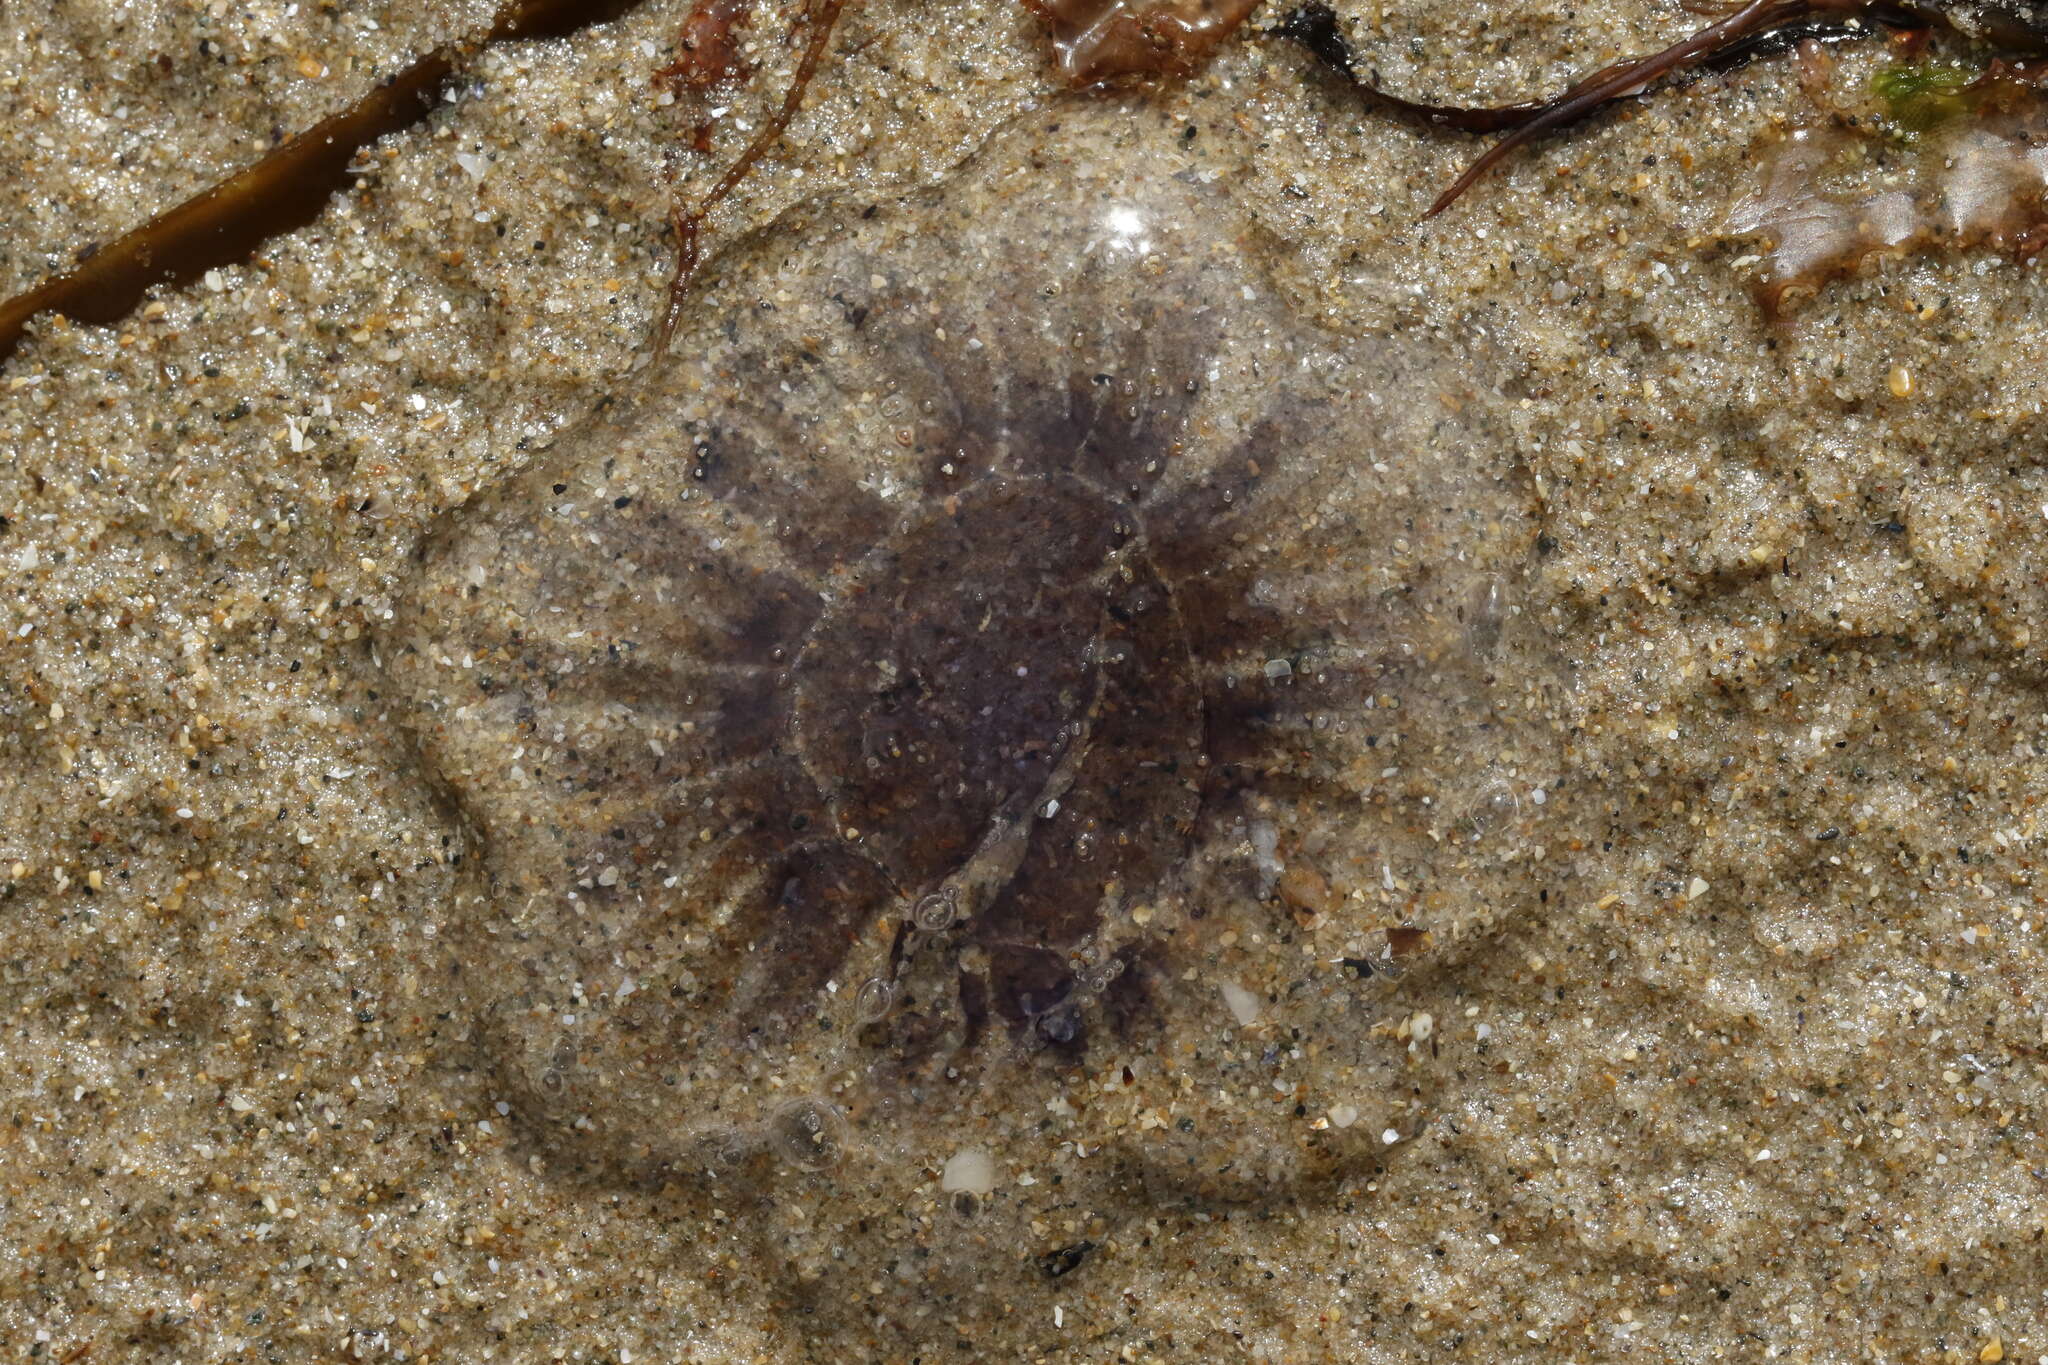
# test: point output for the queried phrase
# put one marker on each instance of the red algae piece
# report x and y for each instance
(688, 223)
(1101, 40)
(707, 48)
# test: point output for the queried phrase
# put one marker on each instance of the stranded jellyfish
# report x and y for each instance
(1002, 645)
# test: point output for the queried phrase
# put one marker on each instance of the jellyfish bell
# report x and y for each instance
(882, 689)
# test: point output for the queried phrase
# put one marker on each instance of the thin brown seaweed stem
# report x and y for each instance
(1314, 27)
(1753, 30)
(1624, 79)
(823, 17)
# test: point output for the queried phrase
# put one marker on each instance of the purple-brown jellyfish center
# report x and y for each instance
(999, 710)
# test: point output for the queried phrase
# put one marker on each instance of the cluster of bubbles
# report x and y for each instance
(807, 1132)
(931, 916)
(1061, 1023)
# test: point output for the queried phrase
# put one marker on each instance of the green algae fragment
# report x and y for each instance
(1920, 98)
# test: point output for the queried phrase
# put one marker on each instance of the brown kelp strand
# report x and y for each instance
(286, 189)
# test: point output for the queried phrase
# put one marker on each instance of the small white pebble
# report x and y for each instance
(1244, 1006)
(971, 1171)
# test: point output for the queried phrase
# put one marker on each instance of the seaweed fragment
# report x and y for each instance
(688, 222)
(1754, 29)
(283, 190)
(707, 53)
(1623, 80)
(1919, 97)
(1979, 180)
(1097, 41)
(707, 58)
(1314, 27)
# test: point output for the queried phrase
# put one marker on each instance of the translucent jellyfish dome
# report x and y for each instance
(1003, 646)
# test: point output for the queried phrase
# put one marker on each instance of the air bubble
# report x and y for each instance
(935, 912)
(1490, 810)
(1100, 979)
(808, 1133)
(872, 1001)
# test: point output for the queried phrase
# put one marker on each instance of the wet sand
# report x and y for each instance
(1746, 1065)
